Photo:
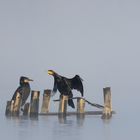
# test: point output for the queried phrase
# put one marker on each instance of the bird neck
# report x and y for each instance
(57, 76)
(25, 84)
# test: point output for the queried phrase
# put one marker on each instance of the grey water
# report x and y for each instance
(123, 125)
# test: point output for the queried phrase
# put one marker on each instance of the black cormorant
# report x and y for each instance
(23, 89)
(65, 85)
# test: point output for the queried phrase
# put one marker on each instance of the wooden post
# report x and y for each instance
(63, 104)
(26, 109)
(8, 109)
(107, 111)
(80, 105)
(46, 101)
(34, 104)
(15, 106)
(12, 106)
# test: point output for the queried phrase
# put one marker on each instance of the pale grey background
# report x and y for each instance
(97, 39)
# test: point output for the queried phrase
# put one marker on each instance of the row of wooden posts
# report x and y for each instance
(32, 109)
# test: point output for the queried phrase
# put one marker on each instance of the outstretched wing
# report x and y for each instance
(53, 92)
(76, 83)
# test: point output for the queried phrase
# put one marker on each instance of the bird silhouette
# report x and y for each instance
(65, 85)
(23, 89)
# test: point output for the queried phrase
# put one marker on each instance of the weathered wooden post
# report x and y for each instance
(15, 106)
(8, 109)
(80, 105)
(26, 109)
(63, 104)
(80, 109)
(107, 111)
(34, 104)
(46, 101)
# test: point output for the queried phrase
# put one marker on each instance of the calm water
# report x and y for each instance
(123, 125)
(54, 128)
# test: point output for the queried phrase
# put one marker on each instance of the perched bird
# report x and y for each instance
(65, 85)
(23, 89)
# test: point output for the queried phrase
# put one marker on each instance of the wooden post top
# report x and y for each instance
(64, 97)
(107, 89)
(47, 91)
(46, 101)
(35, 94)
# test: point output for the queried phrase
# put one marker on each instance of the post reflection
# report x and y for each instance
(80, 119)
(62, 118)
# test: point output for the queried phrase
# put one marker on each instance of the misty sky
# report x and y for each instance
(97, 39)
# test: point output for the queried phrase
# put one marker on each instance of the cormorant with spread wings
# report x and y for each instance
(65, 85)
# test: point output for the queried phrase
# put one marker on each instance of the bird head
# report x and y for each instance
(25, 80)
(51, 72)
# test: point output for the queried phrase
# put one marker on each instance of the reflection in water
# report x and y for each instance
(67, 127)
(80, 119)
(62, 119)
(107, 130)
(23, 127)
(34, 118)
(106, 121)
(58, 127)
(21, 118)
(22, 121)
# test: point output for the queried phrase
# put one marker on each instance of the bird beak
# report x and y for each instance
(30, 80)
(27, 80)
(50, 72)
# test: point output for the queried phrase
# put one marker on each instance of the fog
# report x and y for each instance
(99, 40)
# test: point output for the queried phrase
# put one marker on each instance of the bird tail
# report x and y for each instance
(71, 103)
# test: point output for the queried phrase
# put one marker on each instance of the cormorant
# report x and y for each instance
(23, 89)
(65, 85)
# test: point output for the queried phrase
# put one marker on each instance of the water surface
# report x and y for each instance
(71, 127)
